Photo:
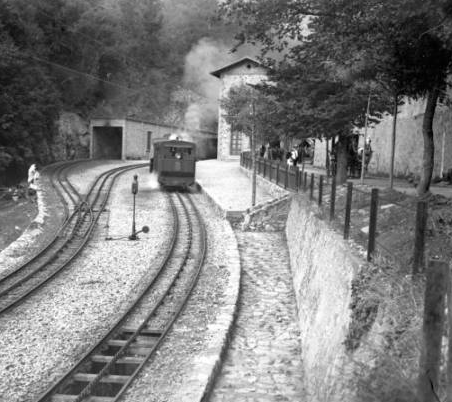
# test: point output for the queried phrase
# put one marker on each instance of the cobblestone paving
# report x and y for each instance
(263, 360)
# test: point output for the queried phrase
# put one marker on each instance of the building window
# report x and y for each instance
(148, 141)
(236, 142)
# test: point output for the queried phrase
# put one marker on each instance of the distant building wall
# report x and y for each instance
(409, 142)
(235, 77)
(138, 136)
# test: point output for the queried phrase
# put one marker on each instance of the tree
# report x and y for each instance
(249, 111)
(403, 44)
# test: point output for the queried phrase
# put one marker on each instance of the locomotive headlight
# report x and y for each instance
(178, 155)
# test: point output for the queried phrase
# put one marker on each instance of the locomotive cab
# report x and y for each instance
(174, 161)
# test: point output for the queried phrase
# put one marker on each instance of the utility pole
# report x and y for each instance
(363, 157)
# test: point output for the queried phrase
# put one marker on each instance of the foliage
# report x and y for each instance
(403, 47)
(248, 109)
(90, 57)
(396, 341)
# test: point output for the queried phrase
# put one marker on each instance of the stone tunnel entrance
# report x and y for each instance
(107, 142)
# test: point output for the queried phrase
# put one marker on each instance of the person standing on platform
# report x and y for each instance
(33, 177)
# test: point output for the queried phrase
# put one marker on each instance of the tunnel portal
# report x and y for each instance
(107, 142)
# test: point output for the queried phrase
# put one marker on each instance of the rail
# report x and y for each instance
(101, 370)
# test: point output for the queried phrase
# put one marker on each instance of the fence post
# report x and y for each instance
(432, 330)
(286, 178)
(333, 198)
(265, 167)
(311, 188)
(320, 190)
(372, 223)
(305, 181)
(348, 209)
(449, 320)
(419, 239)
(277, 173)
(297, 179)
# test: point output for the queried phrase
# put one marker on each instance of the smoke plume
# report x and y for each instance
(207, 55)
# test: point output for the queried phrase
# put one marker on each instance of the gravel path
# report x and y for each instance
(263, 362)
(45, 336)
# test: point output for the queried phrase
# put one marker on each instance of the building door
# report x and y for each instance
(236, 142)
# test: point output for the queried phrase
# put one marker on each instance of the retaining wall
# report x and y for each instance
(323, 266)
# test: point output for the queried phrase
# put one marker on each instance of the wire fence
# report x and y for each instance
(372, 218)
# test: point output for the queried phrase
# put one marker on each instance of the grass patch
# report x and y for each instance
(389, 309)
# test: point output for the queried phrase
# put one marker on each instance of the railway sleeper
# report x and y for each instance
(135, 349)
(109, 385)
(144, 331)
(70, 398)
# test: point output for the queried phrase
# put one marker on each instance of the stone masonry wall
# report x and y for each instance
(409, 142)
(323, 266)
(224, 129)
(268, 217)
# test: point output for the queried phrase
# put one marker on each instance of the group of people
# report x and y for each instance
(273, 151)
(354, 157)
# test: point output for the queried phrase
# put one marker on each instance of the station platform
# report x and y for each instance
(228, 186)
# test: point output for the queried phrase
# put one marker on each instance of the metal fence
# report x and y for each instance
(349, 208)
(358, 213)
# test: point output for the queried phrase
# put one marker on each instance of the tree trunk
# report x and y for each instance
(342, 159)
(393, 142)
(429, 146)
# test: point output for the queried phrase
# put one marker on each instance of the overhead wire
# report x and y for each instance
(74, 71)
(137, 64)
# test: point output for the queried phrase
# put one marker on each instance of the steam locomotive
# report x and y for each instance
(174, 161)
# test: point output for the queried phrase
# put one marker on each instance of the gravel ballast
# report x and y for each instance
(42, 338)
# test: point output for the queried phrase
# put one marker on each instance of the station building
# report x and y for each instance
(244, 71)
(128, 138)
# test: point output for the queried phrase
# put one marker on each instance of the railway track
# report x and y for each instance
(69, 240)
(108, 368)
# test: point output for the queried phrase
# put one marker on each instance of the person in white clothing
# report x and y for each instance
(33, 177)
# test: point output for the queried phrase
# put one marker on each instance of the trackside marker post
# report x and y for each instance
(134, 236)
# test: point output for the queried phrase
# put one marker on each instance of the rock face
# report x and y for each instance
(73, 137)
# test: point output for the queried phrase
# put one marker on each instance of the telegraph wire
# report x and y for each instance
(73, 71)
(136, 63)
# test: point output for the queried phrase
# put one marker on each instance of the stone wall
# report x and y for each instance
(323, 266)
(239, 77)
(273, 189)
(409, 142)
(267, 217)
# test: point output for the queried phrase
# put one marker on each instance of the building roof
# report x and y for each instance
(217, 73)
